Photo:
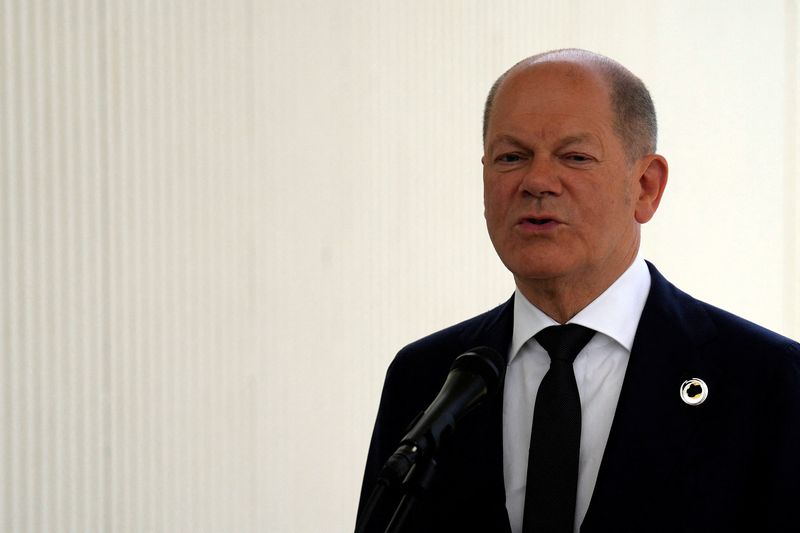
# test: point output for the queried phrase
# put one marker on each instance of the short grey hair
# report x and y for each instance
(635, 115)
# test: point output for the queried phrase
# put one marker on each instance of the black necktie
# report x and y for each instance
(556, 435)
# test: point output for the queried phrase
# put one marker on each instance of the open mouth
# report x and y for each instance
(539, 221)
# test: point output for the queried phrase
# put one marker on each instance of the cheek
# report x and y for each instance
(492, 198)
(495, 209)
(491, 213)
(499, 190)
(628, 194)
(611, 204)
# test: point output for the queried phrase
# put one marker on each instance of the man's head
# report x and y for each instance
(565, 189)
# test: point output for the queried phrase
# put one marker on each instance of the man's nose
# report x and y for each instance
(542, 178)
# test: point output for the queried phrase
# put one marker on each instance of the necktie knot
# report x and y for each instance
(563, 343)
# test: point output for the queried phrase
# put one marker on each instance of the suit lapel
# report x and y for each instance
(645, 458)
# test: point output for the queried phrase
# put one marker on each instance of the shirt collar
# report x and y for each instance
(615, 313)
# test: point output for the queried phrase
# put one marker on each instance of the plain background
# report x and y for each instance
(219, 220)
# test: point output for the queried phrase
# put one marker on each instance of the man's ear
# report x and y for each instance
(652, 170)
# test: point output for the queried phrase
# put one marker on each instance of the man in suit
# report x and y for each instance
(689, 417)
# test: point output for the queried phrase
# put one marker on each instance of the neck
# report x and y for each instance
(563, 297)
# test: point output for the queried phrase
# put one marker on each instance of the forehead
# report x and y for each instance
(545, 95)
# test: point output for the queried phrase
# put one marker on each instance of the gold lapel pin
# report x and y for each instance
(694, 391)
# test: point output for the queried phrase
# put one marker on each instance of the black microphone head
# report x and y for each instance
(486, 363)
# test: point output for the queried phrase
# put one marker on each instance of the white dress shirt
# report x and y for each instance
(599, 371)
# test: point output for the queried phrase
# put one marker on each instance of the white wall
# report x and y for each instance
(219, 221)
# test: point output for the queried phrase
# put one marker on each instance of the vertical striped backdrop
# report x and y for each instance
(220, 219)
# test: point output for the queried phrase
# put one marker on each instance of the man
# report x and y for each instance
(688, 417)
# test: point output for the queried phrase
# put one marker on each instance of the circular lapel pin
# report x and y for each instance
(694, 391)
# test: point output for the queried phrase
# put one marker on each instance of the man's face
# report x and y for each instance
(559, 192)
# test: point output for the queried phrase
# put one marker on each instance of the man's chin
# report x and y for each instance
(542, 274)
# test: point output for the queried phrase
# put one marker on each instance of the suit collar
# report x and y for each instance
(615, 313)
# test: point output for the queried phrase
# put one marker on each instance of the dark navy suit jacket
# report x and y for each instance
(729, 464)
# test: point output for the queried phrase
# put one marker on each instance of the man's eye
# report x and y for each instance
(578, 158)
(509, 158)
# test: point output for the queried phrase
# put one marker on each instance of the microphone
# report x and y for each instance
(474, 376)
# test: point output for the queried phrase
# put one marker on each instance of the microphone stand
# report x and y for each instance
(383, 493)
(416, 487)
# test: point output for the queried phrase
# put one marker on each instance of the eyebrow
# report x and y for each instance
(576, 139)
(563, 143)
(505, 139)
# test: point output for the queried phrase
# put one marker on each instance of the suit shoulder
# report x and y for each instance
(442, 347)
(749, 336)
(738, 329)
(703, 322)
